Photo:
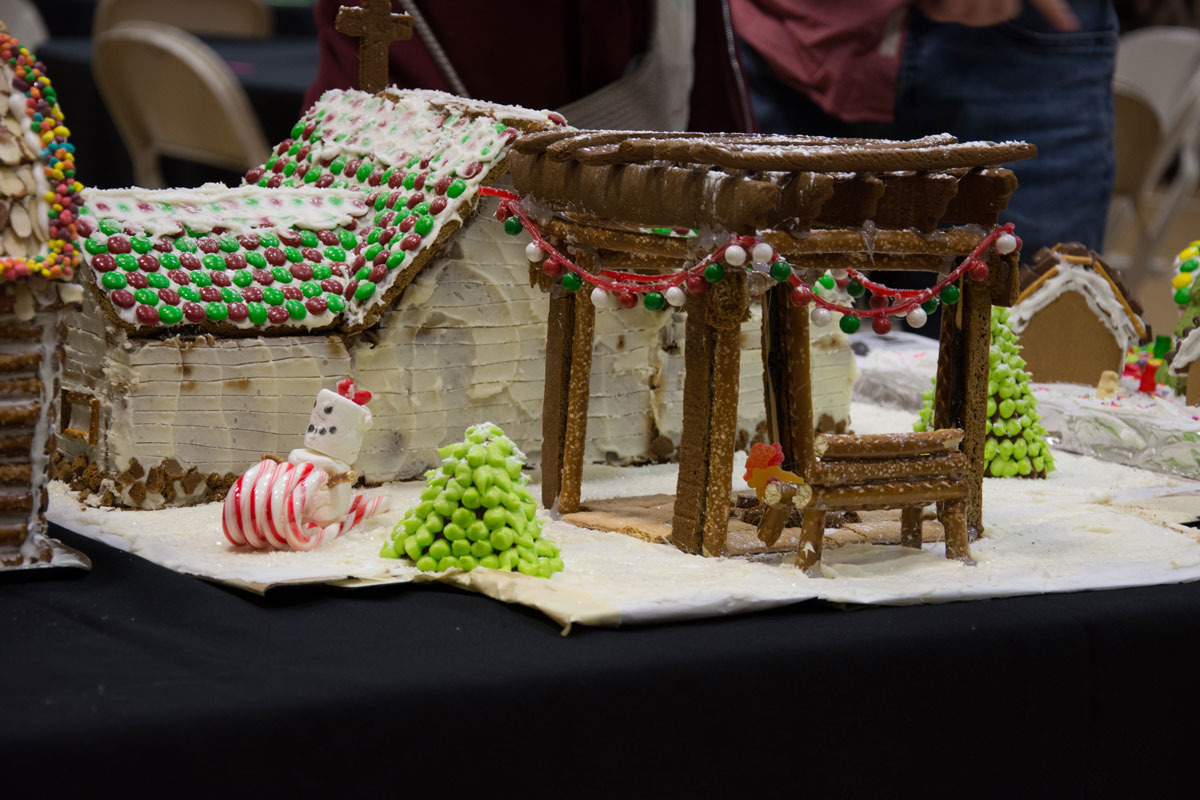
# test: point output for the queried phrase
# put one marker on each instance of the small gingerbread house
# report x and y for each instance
(39, 201)
(1074, 316)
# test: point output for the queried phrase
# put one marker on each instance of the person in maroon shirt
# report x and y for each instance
(539, 53)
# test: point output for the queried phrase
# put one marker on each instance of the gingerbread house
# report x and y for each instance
(1075, 317)
(779, 211)
(39, 201)
(352, 251)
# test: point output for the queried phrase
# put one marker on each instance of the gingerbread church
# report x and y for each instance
(1074, 316)
(39, 205)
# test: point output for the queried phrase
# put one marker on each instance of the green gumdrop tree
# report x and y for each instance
(476, 512)
(1016, 442)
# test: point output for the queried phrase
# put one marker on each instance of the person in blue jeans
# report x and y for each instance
(978, 69)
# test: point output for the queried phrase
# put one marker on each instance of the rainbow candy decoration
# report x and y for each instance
(63, 195)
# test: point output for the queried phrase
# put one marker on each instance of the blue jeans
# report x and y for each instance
(1018, 80)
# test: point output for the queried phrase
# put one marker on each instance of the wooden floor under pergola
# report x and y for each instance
(821, 203)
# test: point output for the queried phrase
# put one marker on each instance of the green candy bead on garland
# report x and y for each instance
(476, 511)
(1016, 441)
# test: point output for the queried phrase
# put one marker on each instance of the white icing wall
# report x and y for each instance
(465, 343)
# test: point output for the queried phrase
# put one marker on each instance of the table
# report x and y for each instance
(135, 677)
(275, 73)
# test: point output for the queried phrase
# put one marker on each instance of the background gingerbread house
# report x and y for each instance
(1074, 316)
(39, 201)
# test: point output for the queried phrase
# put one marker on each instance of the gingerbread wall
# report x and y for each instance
(1066, 343)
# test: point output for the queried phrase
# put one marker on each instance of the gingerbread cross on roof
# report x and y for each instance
(376, 27)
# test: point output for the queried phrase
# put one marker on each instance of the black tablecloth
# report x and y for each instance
(138, 679)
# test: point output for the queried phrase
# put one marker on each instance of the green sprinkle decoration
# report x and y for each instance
(781, 271)
(950, 295)
(476, 512)
(513, 226)
(849, 324)
(714, 272)
(216, 311)
(394, 260)
(273, 296)
(127, 262)
(114, 280)
(365, 289)
(157, 280)
(311, 289)
(456, 188)
(169, 315)
(571, 281)
(296, 309)
(335, 254)
(1016, 443)
(213, 262)
(243, 278)
(140, 244)
(322, 271)
(282, 274)
(146, 297)
(336, 302)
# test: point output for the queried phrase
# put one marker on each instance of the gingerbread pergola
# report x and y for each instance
(921, 205)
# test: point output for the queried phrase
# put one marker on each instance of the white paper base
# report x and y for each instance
(1090, 525)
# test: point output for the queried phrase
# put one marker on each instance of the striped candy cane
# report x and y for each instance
(273, 505)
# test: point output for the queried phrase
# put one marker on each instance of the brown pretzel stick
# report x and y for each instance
(16, 502)
(887, 445)
(777, 499)
(20, 415)
(867, 496)
(840, 473)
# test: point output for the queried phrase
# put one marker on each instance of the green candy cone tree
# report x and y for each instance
(476, 512)
(1016, 442)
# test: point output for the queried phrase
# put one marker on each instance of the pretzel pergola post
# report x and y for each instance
(634, 201)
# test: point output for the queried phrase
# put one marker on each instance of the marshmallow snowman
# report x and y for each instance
(335, 433)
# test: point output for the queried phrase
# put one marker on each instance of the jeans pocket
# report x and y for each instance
(1036, 42)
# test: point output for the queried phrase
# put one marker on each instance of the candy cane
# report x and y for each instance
(273, 505)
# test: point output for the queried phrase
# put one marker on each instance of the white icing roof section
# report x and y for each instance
(168, 212)
(1095, 290)
(1187, 354)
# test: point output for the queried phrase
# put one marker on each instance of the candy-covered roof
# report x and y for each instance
(39, 196)
(323, 236)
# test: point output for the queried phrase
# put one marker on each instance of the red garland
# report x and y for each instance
(612, 280)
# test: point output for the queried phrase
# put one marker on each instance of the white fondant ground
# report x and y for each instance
(1091, 525)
